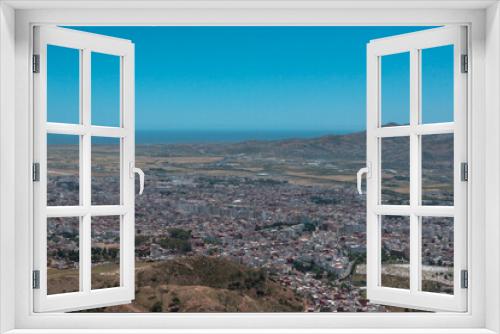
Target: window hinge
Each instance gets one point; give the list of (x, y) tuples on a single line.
[(36, 63), (464, 279), (36, 172), (464, 171), (36, 279), (465, 64)]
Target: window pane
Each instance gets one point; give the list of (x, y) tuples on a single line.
[(63, 255), (395, 89), (105, 252), (105, 171), (395, 181), (63, 84), (437, 84), (105, 89), (63, 163), (395, 253), (437, 254), (437, 169)]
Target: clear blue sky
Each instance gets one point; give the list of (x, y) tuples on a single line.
[(249, 78)]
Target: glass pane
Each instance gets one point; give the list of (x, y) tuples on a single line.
[(105, 252), (437, 84), (105, 89), (395, 176), (63, 84), (395, 89), (63, 165), (105, 171), (395, 253), (437, 169), (437, 254), (63, 255)]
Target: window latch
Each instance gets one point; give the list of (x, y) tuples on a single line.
[(134, 170), (365, 170)]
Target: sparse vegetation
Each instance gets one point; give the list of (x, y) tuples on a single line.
[(157, 307), (179, 240)]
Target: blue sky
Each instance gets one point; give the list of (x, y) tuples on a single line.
[(249, 78)]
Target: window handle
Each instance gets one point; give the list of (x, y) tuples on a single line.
[(365, 170), (134, 170)]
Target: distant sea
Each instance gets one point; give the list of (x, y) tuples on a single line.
[(200, 136)]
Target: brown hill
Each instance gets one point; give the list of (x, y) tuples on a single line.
[(332, 147), (207, 284)]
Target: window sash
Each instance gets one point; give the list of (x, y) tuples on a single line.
[(85, 298), (414, 297)]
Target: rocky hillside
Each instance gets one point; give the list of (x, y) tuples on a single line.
[(207, 284), (345, 147)]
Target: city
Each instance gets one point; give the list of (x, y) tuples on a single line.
[(287, 209)]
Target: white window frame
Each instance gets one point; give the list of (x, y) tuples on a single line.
[(413, 44), (85, 44), (16, 20)]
